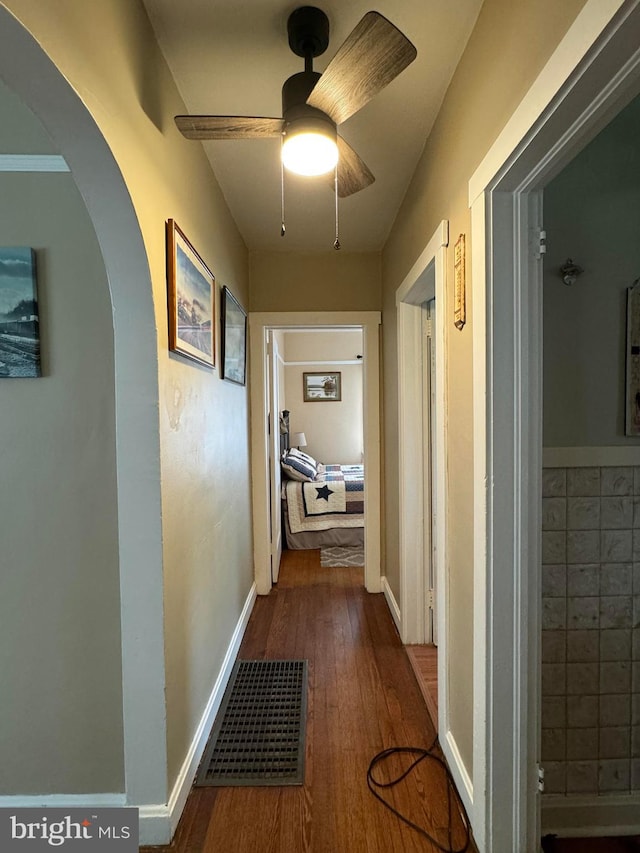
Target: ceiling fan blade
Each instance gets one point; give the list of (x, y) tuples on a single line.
[(353, 174), (229, 127), (370, 58)]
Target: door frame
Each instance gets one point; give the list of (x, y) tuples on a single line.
[(594, 71), (259, 324), (426, 280)]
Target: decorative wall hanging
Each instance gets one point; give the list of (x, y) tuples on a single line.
[(632, 396), (191, 297), (234, 338), (321, 387), (460, 307), (19, 320)]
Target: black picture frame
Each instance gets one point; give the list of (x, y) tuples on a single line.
[(234, 339)]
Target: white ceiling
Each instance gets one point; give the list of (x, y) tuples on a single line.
[(231, 57)]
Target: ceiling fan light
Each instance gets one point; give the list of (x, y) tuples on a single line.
[(309, 153)]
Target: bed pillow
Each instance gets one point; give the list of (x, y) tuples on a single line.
[(293, 451), (297, 469)]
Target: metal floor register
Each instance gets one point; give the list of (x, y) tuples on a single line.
[(258, 737)]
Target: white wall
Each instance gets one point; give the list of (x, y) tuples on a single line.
[(61, 725), (592, 215), (333, 429)]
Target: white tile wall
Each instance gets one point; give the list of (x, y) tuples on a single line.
[(591, 630)]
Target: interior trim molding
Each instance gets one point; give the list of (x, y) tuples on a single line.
[(392, 604), (63, 801), (586, 457), (594, 815), (158, 823), (33, 163), (458, 770)]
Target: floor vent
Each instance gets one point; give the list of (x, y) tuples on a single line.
[(258, 737)]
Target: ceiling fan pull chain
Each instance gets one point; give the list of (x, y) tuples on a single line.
[(283, 230), (336, 244)]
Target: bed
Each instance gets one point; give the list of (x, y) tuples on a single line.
[(323, 505)]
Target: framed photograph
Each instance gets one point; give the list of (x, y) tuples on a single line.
[(234, 339), (19, 319), (321, 387), (191, 299)]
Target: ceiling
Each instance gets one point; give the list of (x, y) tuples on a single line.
[(231, 57)]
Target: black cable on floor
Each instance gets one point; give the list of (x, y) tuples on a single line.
[(421, 755)]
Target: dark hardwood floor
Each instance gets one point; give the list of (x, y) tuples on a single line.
[(363, 698)]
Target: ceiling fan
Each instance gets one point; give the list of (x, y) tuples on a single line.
[(313, 104)]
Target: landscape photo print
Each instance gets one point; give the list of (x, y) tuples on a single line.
[(19, 320)]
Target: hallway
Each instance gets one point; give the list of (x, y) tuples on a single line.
[(363, 698)]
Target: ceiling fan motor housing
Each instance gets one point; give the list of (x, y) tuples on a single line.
[(308, 31), (295, 108)]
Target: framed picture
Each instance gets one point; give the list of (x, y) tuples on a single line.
[(234, 338), (459, 306), (321, 387), (191, 298), (19, 320)]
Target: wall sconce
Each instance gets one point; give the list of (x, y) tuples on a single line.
[(570, 272)]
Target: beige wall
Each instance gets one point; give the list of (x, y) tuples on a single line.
[(318, 281), (508, 47), (334, 430), (108, 53)]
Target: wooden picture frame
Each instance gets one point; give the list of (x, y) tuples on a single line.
[(191, 299), (322, 387), (233, 357), (460, 284)]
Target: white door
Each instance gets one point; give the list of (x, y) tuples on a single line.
[(275, 476), (429, 468)]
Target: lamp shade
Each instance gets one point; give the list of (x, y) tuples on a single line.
[(299, 439)]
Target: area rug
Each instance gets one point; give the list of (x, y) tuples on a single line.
[(338, 557), (258, 737)]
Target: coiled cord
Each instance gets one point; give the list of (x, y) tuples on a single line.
[(421, 755)]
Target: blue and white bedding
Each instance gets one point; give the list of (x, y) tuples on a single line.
[(334, 498)]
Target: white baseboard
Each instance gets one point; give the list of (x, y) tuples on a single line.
[(461, 777), (180, 792), (582, 816), (392, 604), (158, 822), (64, 801)]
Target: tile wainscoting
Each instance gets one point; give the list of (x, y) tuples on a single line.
[(591, 630)]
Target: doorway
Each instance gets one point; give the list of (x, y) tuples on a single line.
[(328, 432), (422, 424), (260, 327), (592, 74)]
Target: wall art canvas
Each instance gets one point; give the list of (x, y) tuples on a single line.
[(191, 294), (19, 320), (234, 338)]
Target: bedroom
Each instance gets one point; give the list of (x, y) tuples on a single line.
[(320, 384)]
